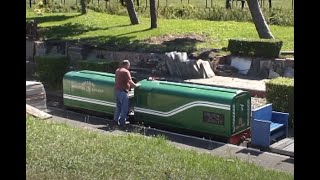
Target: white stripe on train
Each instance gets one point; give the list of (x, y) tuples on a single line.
[(150, 111)]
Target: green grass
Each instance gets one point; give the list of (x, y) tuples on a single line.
[(116, 32), (57, 151)]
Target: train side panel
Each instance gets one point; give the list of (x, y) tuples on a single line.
[(192, 107), (89, 90)]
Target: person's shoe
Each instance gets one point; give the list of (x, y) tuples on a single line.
[(131, 113), (126, 123)]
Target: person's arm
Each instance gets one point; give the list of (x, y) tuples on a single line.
[(132, 84)]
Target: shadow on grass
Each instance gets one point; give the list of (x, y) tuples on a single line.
[(68, 30), (129, 43), (53, 18), (142, 30)]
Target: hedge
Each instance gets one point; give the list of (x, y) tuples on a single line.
[(255, 47), (51, 69), (98, 65), (280, 92)]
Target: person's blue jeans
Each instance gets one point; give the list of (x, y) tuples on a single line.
[(122, 108)]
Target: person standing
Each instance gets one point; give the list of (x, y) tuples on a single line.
[(123, 83)]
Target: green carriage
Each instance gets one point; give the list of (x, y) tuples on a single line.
[(210, 110)]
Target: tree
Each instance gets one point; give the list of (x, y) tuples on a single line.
[(83, 6), (153, 14), (259, 20), (228, 4), (132, 12)]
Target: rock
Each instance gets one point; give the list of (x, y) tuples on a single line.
[(193, 56), (205, 65), (222, 59), (243, 64), (288, 72), (264, 72), (225, 70), (265, 64), (273, 74), (207, 55)]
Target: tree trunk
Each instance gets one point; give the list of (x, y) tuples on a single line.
[(83, 6), (153, 14), (270, 4), (228, 4), (259, 20), (242, 4), (132, 12)]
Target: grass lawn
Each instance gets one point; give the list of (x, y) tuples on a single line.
[(57, 151), (116, 31)]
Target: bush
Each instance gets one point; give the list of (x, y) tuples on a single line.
[(51, 69), (280, 92), (98, 65), (255, 47), (274, 16)]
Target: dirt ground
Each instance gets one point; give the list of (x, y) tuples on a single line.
[(176, 37)]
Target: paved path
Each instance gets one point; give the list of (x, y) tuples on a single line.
[(265, 159), (256, 87)]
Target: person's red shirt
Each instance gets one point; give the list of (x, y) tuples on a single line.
[(122, 79)]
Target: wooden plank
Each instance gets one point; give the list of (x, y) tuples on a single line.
[(285, 147), (36, 112), (282, 143), (289, 148), (283, 152)]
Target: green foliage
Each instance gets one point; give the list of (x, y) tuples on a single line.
[(280, 92), (279, 16), (275, 16), (255, 47), (58, 151), (51, 69), (98, 65), (183, 12)]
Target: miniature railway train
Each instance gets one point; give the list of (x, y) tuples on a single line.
[(215, 112)]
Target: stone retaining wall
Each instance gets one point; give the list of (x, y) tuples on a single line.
[(151, 63)]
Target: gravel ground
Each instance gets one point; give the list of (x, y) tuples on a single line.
[(257, 102)]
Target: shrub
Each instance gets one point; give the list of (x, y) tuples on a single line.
[(51, 69), (280, 92), (274, 16), (98, 65), (255, 47)]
